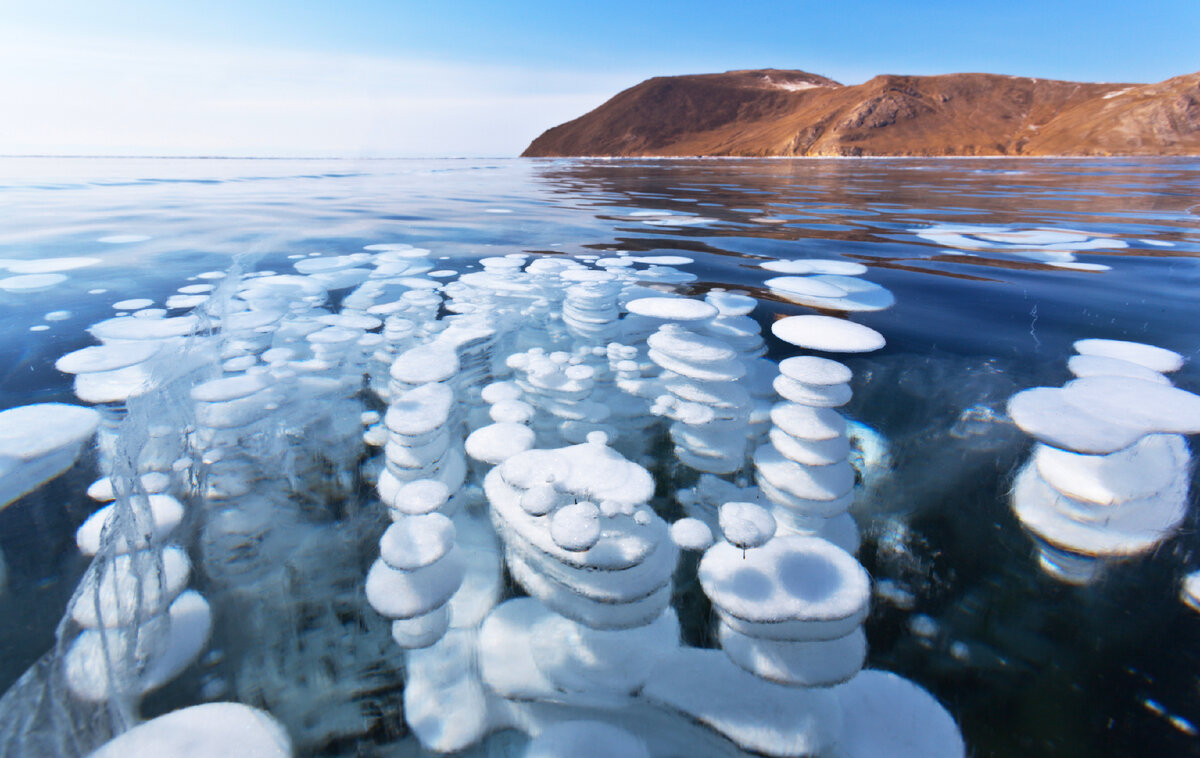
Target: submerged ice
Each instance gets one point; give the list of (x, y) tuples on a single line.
[(356, 429), (1109, 476)]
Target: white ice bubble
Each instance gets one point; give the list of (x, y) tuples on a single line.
[(793, 587), (672, 308), (165, 514), (810, 369), (420, 496), (827, 334), (661, 260), (57, 316), (1045, 413), (1151, 406), (414, 542), (746, 525), (189, 732), (679, 221), (195, 289), (31, 282), (815, 266), (497, 442), (47, 265), (1099, 365), (1150, 356), (38, 442), (804, 286), (691, 534), (576, 527), (407, 594), (185, 301), (187, 626)]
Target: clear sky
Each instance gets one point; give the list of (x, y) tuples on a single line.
[(473, 78)]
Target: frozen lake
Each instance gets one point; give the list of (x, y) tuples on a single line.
[(1038, 636)]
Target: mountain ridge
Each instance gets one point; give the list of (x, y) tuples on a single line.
[(777, 112)]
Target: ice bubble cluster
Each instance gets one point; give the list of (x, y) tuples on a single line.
[(502, 424), (1109, 476), (1055, 247), (831, 285)]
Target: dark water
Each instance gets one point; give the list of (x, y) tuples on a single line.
[(1028, 666)]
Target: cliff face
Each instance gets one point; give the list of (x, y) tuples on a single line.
[(771, 112)]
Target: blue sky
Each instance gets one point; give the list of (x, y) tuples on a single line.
[(379, 78)]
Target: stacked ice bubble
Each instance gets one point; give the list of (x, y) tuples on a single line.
[(419, 566), (579, 534), (512, 420), (1109, 476), (140, 627), (709, 409), (830, 285), (804, 469), (1054, 247)]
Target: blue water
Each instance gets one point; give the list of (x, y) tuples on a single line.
[(1029, 667)]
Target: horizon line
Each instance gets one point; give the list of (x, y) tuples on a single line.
[(262, 157)]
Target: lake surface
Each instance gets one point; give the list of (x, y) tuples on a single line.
[(996, 267)]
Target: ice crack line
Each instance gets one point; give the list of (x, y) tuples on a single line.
[(1037, 343)]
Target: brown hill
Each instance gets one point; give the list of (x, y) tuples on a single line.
[(772, 112)]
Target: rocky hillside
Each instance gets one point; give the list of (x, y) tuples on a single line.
[(771, 112)]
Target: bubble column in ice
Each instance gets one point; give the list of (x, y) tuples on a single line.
[(803, 628), (698, 384), (1109, 476), (634, 389), (599, 577), (789, 611), (799, 630), (734, 326), (427, 584), (419, 568), (804, 467), (559, 386), (710, 410), (420, 306), (589, 310), (397, 338), (509, 433), (420, 443), (140, 628), (246, 476), (579, 536), (473, 341), (123, 366)]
